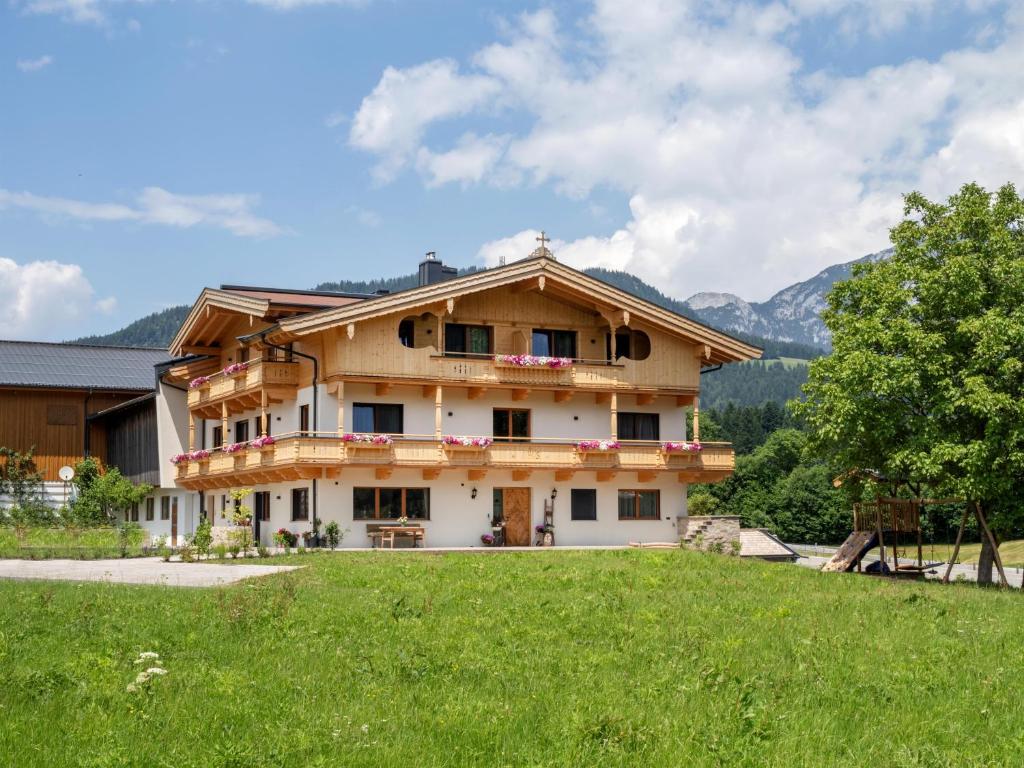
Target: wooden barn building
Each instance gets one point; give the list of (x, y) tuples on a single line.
[(68, 401)]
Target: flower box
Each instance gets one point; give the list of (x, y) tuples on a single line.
[(200, 454), (199, 381), (682, 447), (463, 443), (597, 446), (357, 440), (262, 443), (235, 368), (532, 361)]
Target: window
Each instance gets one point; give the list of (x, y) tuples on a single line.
[(377, 417), (303, 418), (279, 355), (639, 505), (511, 424), (498, 506), (218, 437), (638, 426), (390, 503), (300, 503), (135, 511), (584, 504), (261, 502), (407, 332), (633, 345), (150, 509), (165, 508), (243, 355), (461, 340), (554, 343), (242, 431)]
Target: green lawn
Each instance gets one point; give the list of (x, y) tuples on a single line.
[(626, 658), (792, 362), (1012, 552)]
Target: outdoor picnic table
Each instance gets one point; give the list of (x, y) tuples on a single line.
[(389, 532)]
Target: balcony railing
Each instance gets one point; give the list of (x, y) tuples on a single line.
[(250, 379), (298, 452), (485, 369)]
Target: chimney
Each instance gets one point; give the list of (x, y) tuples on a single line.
[(433, 271)]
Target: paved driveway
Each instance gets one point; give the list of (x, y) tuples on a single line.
[(138, 570)]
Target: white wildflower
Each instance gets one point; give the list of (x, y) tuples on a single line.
[(365, 728), (147, 656), (156, 671), (132, 688)]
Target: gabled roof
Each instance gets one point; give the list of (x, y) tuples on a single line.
[(78, 366), (264, 303), (551, 276)]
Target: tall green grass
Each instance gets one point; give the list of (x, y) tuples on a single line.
[(42, 542), (625, 658)]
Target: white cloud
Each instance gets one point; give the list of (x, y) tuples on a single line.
[(744, 171), (44, 299), (34, 65), (97, 11), (231, 212), (391, 120), (472, 157)]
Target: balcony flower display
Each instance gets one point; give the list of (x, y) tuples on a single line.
[(670, 447), (533, 361), (234, 368), (463, 441), (262, 442), (197, 455), (199, 381), (233, 447), (366, 439), (597, 445), (487, 540)]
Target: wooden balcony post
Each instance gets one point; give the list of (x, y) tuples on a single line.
[(696, 419), (340, 394), (438, 408), (263, 414), (191, 431), (224, 422), (614, 400)]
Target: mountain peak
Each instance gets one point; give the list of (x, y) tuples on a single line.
[(710, 300)]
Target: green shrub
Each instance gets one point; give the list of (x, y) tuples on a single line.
[(262, 551), (221, 551), (203, 538), (234, 550), (334, 534)]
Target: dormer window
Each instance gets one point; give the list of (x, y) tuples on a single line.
[(630, 344)]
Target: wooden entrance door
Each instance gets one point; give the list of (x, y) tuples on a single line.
[(174, 521), (515, 505)]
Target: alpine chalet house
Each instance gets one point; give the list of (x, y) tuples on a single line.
[(488, 405)]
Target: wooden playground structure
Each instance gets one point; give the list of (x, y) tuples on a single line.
[(881, 523)]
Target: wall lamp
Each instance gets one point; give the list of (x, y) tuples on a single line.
[(472, 494), (554, 493)]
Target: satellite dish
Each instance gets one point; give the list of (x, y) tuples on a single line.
[(66, 474)]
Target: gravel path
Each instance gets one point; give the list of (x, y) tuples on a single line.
[(138, 570)]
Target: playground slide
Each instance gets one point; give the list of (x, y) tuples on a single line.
[(852, 550)]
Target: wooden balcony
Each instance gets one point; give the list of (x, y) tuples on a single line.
[(484, 370), (306, 456), (277, 380)]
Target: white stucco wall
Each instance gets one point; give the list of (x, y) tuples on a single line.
[(457, 519)]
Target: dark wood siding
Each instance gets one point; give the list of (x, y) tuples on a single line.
[(132, 442), (53, 421)]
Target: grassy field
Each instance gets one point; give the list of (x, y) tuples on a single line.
[(793, 362), (1012, 552), (627, 658), (75, 543)]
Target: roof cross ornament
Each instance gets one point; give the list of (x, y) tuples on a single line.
[(543, 249)]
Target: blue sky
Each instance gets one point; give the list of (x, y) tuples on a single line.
[(150, 148)]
